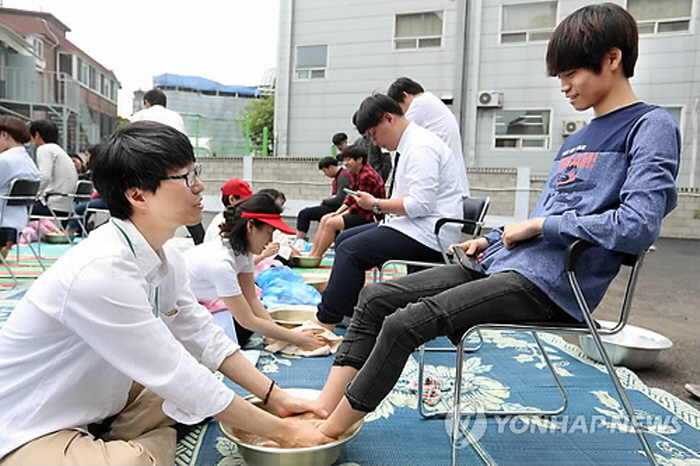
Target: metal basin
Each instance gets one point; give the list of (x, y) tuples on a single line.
[(634, 347), (56, 238), (293, 315), (316, 280), (257, 455), (306, 262)]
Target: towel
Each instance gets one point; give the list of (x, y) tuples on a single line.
[(291, 349)]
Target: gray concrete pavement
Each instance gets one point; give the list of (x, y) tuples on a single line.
[(667, 301)]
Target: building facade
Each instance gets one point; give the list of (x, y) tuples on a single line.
[(212, 112), (43, 75), (484, 58)]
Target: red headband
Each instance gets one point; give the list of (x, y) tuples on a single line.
[(260, 216), (274, 220)]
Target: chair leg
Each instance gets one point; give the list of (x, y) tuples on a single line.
[(9, 269), (458, 376), (421, 378), (622, 394), (31, 248)]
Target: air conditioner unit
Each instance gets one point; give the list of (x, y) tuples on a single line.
[(569, 127), (490, 99)]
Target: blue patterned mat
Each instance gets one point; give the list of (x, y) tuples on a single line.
[(508, 372)]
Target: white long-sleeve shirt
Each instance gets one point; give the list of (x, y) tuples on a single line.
[(58, 175), (431, 113), (161, 115), (15, 163), (98, 319), (430, 184)]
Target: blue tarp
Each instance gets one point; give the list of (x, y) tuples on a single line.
[(203, 84)]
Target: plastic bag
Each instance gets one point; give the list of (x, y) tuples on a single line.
[(282, 286)]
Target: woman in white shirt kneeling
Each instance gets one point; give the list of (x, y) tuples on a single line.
[(221, 271)]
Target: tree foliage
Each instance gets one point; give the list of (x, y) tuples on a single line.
[(261, 113)]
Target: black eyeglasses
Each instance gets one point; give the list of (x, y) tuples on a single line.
[(190, 177)]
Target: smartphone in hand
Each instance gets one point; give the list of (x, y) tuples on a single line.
[(350, 191)]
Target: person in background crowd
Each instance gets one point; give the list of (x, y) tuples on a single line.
[(340, 141), (350, 214), (233, 191), (426, 110), (15, 163), (341, 180), (58, 175)]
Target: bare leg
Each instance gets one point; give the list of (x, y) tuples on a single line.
[(326, 234), (334, 388), (340, 421)]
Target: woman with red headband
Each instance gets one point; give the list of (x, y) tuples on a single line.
[(221, 271)]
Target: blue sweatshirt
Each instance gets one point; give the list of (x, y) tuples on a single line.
[(611, 184)]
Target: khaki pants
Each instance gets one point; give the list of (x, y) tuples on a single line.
[(140, 435)]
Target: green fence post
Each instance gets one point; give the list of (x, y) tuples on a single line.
[(264, 142), (247, 136), (196, 136), (333, 150)]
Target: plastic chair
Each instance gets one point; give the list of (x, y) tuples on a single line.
[(82, 193), (474, 211), (588, 327), (23, 193)]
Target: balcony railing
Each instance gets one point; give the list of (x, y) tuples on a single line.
[(40, 87)]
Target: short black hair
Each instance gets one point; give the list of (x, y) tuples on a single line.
[(16, 128), (326, 162), (138, 155), (372, 110), (338, 138), (583, 38), (355, 152), (234, 227), (402, 85), (274, 193), (155, 97), (47, 129)]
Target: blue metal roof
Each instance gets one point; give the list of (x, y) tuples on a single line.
[(203, 84)]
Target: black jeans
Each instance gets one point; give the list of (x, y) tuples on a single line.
[(395, 317), (357, 250), (311, 214)]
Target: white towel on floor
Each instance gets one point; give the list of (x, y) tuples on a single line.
[(284, 347)]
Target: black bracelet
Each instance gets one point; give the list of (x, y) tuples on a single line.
[(269, 390)]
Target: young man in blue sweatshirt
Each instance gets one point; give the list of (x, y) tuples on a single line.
[(611, 185)]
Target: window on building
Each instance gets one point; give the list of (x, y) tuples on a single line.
[(115, 88), (94, 79), (105, 85), (65, 63), (311, 61), (522, 129), (83, 72), (38, 47), (660, 16), (418, 30), (528, 22), (676, 111)]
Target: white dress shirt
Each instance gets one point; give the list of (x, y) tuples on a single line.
[(431, 113), (15, 163), (58, 175), (431, 186), (213, 269), (109, 312), (161, 115)]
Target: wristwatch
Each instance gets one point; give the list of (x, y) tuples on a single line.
[(375, 207)]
